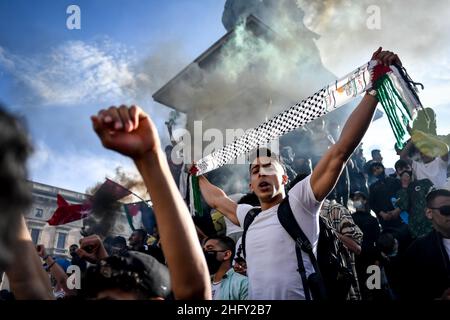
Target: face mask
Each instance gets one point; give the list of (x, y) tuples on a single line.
[(212, 262), (409, 172), (359, 205), (395, 251), (381, 176)]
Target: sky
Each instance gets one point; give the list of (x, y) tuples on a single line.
[(55, 78)]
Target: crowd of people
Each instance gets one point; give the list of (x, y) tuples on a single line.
[(319, 223)]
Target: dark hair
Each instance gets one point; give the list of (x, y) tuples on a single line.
[(143, 234), (264, 152), (433, 194), (119, 241), (251, 199), (400, 164), (375, 151), (386, 242), (168, 148), (15, 191), (133, 272), (374, 165), (299, 177), (359, 193), (226, 243)]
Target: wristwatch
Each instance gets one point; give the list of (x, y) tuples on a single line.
[(372, 92)]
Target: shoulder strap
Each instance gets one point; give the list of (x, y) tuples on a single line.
[(302, 243), (249, 217)]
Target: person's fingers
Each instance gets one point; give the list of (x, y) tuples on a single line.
[(81, 253), (116, 121), (104, 116), (102, 121), (389, 58), (381, 57), (395, 59), (97, 125), (136, 114), (89, 242), (376, 53), (85, 255), (125, 117)]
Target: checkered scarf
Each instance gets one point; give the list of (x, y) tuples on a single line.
[(397, 93)]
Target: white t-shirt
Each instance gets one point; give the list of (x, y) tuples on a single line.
[(215, 287), (447, 247), (435, 171), (231, 227), (271, 258)]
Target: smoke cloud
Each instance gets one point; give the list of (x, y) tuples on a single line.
[(106, 212)]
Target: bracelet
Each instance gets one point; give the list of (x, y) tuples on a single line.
[(51, 265), (372, 92)]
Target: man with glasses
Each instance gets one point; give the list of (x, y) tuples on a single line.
[(426, 263)]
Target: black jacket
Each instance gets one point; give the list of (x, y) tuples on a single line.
[(425, 269), (380, 199)]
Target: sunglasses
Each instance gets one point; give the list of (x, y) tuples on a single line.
[(444, 210)]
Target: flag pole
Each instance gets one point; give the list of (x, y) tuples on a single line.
[(134, 194)]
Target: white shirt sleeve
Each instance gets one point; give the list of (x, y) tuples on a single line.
[(241, 212), (302, 199), (306, 209)]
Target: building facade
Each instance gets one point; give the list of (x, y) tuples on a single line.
[(57, 239)]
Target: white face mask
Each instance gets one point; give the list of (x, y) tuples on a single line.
[(359, 205)]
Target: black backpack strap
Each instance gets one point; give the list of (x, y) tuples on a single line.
[(249, 217), (302, 243)]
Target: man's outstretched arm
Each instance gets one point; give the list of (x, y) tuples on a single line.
[(217, 199), (131, 132), (27, 277), (329, 168)]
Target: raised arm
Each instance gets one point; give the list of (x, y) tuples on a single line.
[(404, 154), (430, 145), (55, 270), (217, 199), (131, 132), (28, 279), (329, 168)]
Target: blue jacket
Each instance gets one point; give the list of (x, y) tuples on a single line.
[(234, 286)]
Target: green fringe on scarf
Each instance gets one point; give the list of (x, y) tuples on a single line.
[(395, 108), (197, 198)]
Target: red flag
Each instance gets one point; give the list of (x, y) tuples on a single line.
[(66, 213), (115, 190)]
